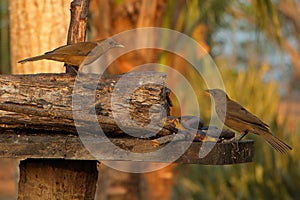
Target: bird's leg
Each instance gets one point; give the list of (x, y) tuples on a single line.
[(71, 69), (245, 133), (235, 145)]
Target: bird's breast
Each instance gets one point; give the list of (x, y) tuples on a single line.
[(237, 125)]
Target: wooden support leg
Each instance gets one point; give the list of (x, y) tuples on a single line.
[(57, 179)]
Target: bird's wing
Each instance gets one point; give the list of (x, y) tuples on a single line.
[(78, 49), (236, 111)]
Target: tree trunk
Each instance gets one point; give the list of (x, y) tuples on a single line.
[(37, 27)]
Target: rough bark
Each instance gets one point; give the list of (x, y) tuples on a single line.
[(37, 27), (78, 24), (44, 102)]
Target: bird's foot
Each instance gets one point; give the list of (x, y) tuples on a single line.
[(245, 133), (235, 144)]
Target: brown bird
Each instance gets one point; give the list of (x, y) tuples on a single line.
[(79, 53), (241, 120)]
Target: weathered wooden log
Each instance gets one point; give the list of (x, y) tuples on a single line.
[(46, 102)]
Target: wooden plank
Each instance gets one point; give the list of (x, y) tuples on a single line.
[(61, 146)]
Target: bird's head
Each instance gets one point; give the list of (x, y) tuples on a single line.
[(217, 93), (109, 43)]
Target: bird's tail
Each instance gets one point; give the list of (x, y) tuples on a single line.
[(35, 58), (275, 142)]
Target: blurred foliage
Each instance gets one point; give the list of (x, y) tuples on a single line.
[(186, 15), (264, 16), (247, 86)]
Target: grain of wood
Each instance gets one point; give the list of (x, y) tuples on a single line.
[(65, 179)]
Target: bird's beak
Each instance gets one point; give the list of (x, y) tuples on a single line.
[(119, 46), (207, 92)]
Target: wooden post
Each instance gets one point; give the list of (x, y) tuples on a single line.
[(57, 179)]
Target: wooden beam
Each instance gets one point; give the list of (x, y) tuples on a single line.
[(60, 146)]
